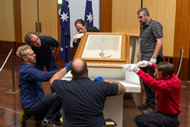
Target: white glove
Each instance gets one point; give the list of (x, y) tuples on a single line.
[(143, 63), (153, 60), (130, 67), (77, 36)]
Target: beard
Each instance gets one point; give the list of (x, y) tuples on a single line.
[(143, 23)]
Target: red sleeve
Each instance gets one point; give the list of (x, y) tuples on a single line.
[(153, 66), (160, 85)]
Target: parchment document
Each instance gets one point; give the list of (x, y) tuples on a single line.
[(103, 46)]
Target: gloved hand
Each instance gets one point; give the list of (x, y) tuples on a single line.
[(143, 63), (77, 36), (68, 66), (130, 67), (153, 60), (99, 79)]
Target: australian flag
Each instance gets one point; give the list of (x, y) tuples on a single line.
[(88, 13), (65, 32)]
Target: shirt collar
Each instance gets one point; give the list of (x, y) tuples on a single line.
[(148, 23)]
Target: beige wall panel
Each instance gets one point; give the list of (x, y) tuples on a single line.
[(28, 16), (7, 29), (164, 11), (48, 17), (124, 16)]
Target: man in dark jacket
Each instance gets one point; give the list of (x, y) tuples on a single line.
[(46, 49)]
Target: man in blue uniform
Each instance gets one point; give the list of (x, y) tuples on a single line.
[(83, 99), (42, 47)]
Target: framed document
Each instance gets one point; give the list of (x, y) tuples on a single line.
[(134, 49), (104, 49)]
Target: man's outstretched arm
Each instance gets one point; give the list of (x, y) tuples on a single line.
[(121, 88)]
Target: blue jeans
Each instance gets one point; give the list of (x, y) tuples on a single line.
[(156, 119), (48, 107)]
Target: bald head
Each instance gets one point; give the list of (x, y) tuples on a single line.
[(79, 68)]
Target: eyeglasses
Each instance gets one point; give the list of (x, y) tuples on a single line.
[(34, 42)]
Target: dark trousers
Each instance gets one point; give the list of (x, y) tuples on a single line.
[(48, 107), (150, 93), (49, 63), (156, 119)]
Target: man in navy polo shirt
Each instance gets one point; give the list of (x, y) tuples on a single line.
[(83, 99), (42, 47)]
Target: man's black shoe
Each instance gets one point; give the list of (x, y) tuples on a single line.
[(148, 110), (143, 106)]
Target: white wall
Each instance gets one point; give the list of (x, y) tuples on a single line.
[(77, 11)]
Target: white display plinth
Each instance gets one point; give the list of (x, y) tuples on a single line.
[(114, 105)]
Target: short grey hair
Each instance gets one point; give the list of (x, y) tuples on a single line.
[(21, 51), (27, 37), (144, 11)]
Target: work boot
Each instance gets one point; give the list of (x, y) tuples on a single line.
[(177, 124), (58, 122), (148, 110), (23, 118), (47, 124), (50, 124), (143, 106)]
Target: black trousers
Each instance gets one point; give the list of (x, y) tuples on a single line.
[(156, 119), (150, 93)]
